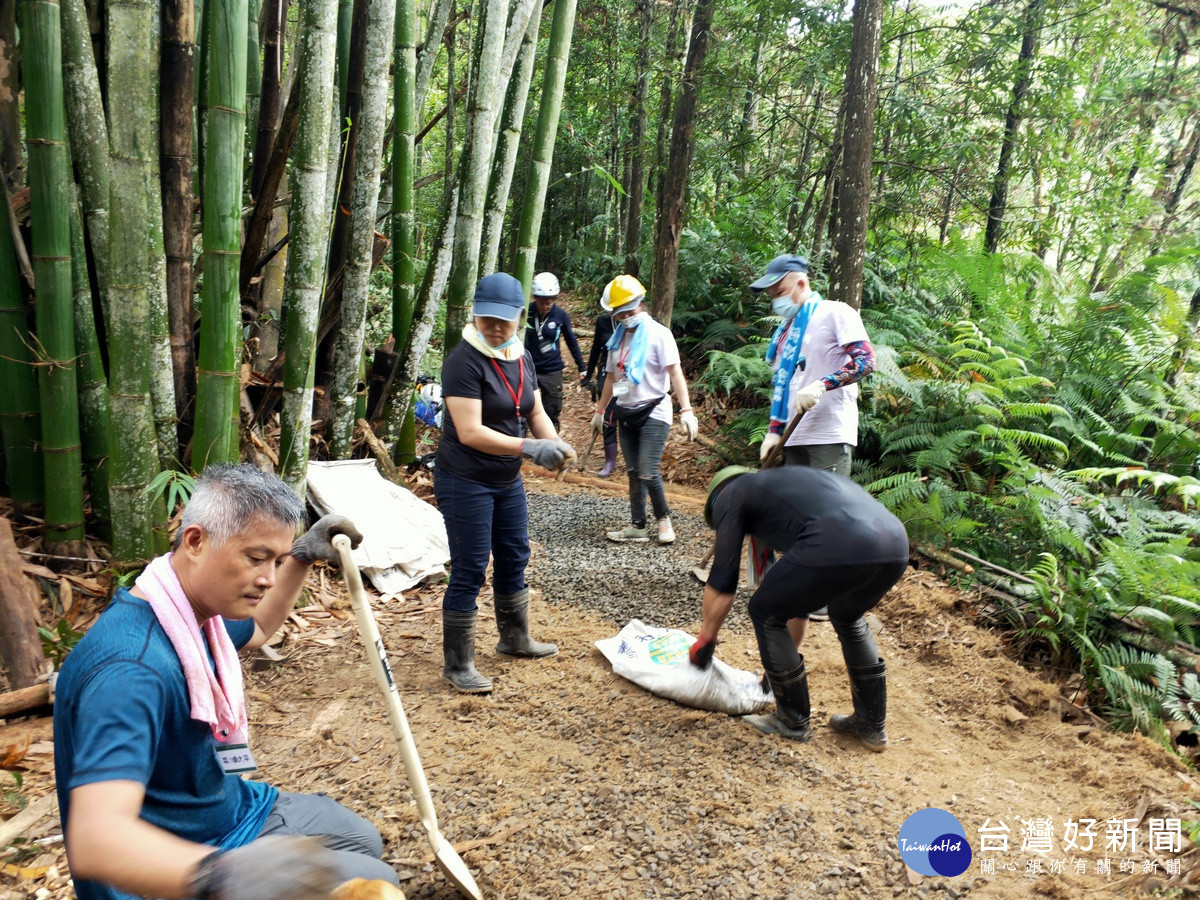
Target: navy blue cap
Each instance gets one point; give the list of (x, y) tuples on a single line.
[(779, 267), (499, 296)]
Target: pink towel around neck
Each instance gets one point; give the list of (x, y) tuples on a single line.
[(219, 699)]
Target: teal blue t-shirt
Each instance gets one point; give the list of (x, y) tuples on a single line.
[(122, 712)]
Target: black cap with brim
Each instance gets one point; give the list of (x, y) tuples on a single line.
[(780, 266)]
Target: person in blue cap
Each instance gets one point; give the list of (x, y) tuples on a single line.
[(493, 418), (819, 353)]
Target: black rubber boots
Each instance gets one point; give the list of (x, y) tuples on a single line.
[(512, 621), (792, 709), (868, 685), (458, 649)]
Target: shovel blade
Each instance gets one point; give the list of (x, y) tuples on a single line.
[(701, 573), (456, 870)]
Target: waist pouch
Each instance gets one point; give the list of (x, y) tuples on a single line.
[(635, 416)]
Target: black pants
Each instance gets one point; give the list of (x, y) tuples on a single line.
[(550, 384), (791, 590)]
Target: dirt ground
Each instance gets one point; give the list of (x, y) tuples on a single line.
[(569, 781)]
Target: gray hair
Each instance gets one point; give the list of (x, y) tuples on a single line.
[(228, 498)]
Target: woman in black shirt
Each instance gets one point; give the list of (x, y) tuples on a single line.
[(490, 391)]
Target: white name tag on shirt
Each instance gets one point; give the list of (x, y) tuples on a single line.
[(236, 758), (621, 388)]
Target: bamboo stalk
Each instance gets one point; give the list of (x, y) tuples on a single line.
[(561, 29), (505, 161), (376, 58), (309, 217), (49, 188), (133, 462), (217, 382), (20, 423), (94, 416)]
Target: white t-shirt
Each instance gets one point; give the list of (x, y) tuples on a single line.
[(661, 351), (834, 420)]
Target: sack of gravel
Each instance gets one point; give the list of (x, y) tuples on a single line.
[(657, 659)]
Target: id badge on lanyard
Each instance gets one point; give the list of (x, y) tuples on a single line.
[(515, 395), (235, 758)]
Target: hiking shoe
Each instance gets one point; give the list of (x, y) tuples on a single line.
[(666, 534), (630, 533), (821, 615)]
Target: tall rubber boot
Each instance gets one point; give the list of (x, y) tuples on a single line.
[(610, 460), (512, 621), (792, 709), (458, 650), (868, 685)]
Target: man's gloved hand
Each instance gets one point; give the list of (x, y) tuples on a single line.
[(270, 868), (590, 387), (701, 652), (769, 443), (598, 422), (549, 454), (315, 544), (691, 427), (807, 396)]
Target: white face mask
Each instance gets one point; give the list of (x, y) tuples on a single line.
[(636, 319), (783, 306)]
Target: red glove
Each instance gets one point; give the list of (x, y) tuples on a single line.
[(701, 652)]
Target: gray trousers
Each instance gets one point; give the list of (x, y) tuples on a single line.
[(830, 457), (355, 841)]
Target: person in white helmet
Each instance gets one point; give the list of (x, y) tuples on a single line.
[(643, 365), (546, 325)]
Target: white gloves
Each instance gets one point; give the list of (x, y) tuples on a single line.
[(598, 423), (807, 397), (690, 426), (769, 443)]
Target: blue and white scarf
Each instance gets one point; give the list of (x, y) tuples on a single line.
[(638, 346), (789, 357)]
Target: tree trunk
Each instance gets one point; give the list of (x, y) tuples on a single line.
[(635, 184), (309, 217), (178, 89), (407, 87), (88, 130), (483, 108), (854, 198), (270, 92), (20, 426), (49, 190), (94, 418), (20, 645), (270, 308), (361, 244), (504, 161), (1012, 124), (254, 74), (670, 224), (536, 182)]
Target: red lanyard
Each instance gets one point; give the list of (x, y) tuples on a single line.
[(520, 391), (623, 351)]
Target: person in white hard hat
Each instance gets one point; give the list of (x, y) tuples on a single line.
[(547, 324), (643, 365)]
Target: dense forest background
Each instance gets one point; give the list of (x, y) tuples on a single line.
[(231, 220)]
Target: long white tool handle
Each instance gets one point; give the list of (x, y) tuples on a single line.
[(377, 657)]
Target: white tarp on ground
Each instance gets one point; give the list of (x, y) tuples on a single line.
[(657, 660), (404, 538)]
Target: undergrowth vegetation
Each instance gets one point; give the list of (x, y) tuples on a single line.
[(1050, 432)]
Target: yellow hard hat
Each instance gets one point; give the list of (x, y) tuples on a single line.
[(622, 291)]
